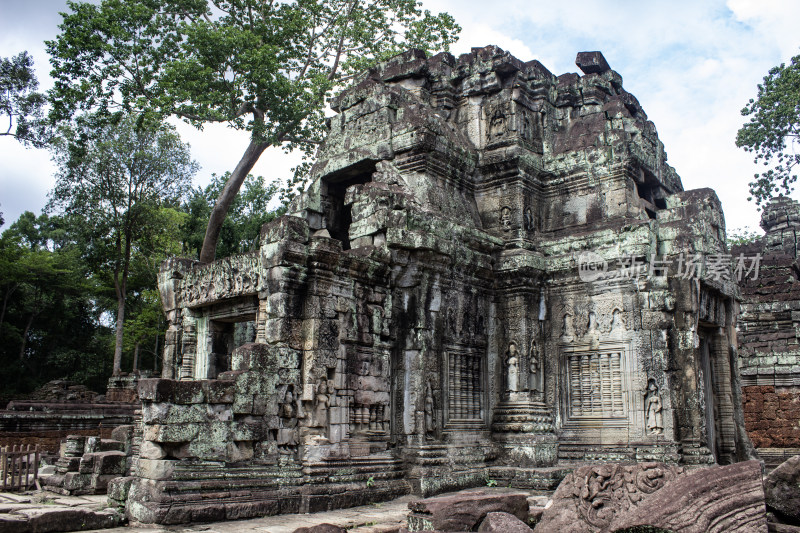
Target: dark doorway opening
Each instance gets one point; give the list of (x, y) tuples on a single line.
[(338, 215)]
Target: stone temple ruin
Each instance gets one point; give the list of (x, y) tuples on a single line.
[(466, 291)]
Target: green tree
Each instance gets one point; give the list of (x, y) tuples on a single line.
[(242, 227), (263, 67), (49, 323), (123, 182), (20, 103), (773, 131)]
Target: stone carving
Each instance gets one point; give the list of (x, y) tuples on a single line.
[(654, 419), (595, 384), (591, 497), (617, 324), (464, 386), (225, 278), (408, 264), (567, 329), (534, 364), (430, 412), (505, 218), (321, 405), (497, 124), (528, 219), (719, 499), (288, 415), (512, 368), (614, 497), (592, 335)]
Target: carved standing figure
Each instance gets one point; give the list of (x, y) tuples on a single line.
[(533, 366), (321, 404), (616, 322), (654, 418), (528, 216), (497, 124), (430, 413), (567, 330), (512, 368), (287, 438)]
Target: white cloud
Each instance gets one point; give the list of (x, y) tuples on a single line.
[(692, 65)]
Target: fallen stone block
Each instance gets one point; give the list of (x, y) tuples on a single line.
[(719, 499), (464, 511), (782, 489), (10, 523), (503, 523), (321, 528), (615, 497), (53, 519)]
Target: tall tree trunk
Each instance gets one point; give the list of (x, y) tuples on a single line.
[(121, 286), (120, 330), (8, 294), (25, 338), (155, 354), (226, 197), (136, 358)]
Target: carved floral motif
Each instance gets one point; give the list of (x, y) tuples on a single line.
[(604, 491)]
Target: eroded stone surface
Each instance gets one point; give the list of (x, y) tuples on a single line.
[(461, 293), (498, 522), (718, 499), (464, 511), (321, 528), (769, 357), (614, 497), (782, 489)]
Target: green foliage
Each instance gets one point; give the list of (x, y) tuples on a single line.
[(242, 227), (742, 236), (370, 482), (491, 482), (120, 184), (263, 67), (20, 103), (773, 130), (50, 323)]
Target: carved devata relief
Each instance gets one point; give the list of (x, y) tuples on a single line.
[(430, 412), (497, 121), (290, 411), (506, 218), (653, 416), (592, 321), (512, 367)]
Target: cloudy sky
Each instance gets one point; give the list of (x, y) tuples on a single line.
[(692, 65)]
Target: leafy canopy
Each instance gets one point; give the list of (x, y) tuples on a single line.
[(125, 182), (260, 66), (263, 66), (773, 131), (241, 230), (20, 103)]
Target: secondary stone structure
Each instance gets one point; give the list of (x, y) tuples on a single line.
[(770, 333), (479, 283)]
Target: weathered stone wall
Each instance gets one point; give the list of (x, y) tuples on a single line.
[(769, 335), (423, 317)]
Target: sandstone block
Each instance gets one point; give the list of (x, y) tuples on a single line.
[(782, 488), (465, 510), (503, 523)]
